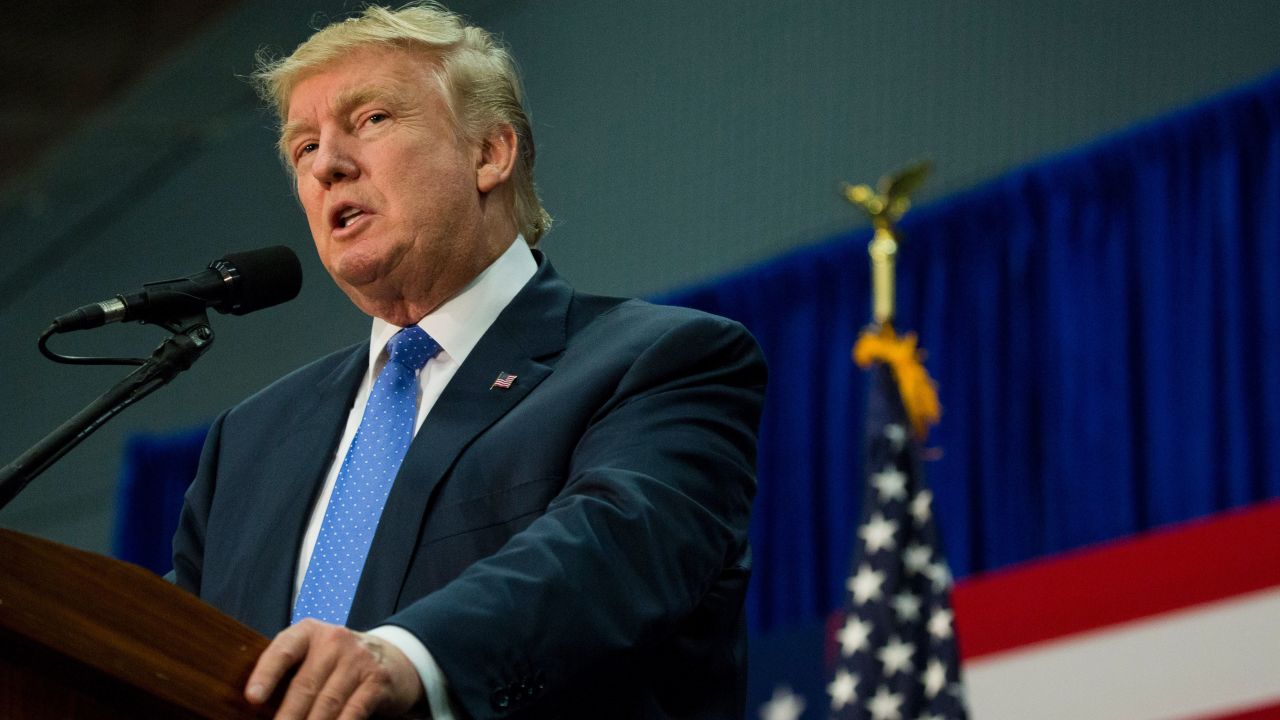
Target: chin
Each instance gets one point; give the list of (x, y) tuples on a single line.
[(357, 272)]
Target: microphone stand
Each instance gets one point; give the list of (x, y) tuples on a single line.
[(191, 337)]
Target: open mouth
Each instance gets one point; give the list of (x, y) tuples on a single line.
[(349, 217), (346, 216)]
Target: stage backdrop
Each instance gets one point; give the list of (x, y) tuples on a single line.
[(1104, 327)]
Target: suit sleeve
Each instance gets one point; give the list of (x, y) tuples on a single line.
[(188, 542), (655, 508)]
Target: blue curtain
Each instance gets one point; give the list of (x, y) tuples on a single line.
[(1104, 327), (157, 470)]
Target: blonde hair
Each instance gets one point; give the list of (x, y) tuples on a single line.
[(477, 73)]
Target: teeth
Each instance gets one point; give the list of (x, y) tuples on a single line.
[(348, 215)]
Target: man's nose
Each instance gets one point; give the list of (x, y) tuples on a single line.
[(334, 162)]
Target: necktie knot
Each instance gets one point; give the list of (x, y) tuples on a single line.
[(412, 347)]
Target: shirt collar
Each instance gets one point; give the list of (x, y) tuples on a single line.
[(460, 322)]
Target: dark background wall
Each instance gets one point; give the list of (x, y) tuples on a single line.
[(676, 141)]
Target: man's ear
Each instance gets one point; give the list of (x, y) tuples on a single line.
[(497, 158)]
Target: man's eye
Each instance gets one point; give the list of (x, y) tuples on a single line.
[(377, 118), (307, 149)]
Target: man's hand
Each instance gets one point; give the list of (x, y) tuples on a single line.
[(341, 674)]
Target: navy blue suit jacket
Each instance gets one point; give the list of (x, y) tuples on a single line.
[(573, 546)]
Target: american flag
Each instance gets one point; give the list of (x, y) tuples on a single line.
[(504, 381), (896, 648)]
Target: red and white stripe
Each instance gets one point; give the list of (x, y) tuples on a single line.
[(1173, 625)]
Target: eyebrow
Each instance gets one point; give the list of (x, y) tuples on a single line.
[(346, 101)]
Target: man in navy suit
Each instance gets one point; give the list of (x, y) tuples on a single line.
[(566, 534)]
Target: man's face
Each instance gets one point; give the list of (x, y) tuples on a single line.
[(389, 189)]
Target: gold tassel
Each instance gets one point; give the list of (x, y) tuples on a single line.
[(918, 390)]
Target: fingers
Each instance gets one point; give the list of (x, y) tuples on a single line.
[(285, 652), (362, 703), (337, 695), (320, 689), (341, 674)]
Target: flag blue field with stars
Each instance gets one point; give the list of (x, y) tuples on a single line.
[(896, 653)]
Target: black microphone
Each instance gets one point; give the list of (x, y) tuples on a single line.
[(237, 284)]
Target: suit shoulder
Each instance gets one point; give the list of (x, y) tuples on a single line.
[(637, 314), (631, 328)]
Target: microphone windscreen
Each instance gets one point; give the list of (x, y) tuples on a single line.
[(264, 277)]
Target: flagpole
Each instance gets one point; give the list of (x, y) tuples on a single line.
[(884, 206), (898, 656)]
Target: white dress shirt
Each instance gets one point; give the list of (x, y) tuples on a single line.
[(457, 325)]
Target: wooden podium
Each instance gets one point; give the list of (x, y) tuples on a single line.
[(86, 636)]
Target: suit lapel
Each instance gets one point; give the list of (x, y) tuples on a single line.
[(524, 341), (294, 472)]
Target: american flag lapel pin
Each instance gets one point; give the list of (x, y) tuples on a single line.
[(503, 382)]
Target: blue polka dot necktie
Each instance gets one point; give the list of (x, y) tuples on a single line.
[(364, 481)]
